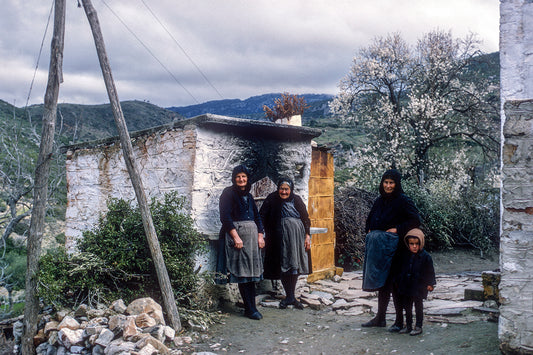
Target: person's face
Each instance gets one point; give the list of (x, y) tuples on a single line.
[(241, 179), (284, 191), (414, 245), (389, 185)]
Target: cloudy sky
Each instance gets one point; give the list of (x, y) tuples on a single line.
[(175, 53)]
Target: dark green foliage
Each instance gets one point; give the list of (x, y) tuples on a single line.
[(114, 260), (466, 219)]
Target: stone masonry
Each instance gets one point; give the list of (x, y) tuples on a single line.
[(516, 242), (194, 157)]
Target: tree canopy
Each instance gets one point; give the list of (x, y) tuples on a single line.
[(413, 99)]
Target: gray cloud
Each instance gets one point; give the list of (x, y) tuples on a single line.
[(244, 48)]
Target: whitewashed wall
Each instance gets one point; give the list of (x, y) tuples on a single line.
[(516, 242), (195, 158), (95, 175)]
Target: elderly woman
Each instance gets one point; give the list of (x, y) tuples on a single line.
[(287, 227), (241, 238), (393, 214)]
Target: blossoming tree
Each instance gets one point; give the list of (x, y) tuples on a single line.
[(414, 100)]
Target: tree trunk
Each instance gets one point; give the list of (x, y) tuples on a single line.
[(42, 173), (164, 281)]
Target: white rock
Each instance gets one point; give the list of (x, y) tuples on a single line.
[(69, 337)]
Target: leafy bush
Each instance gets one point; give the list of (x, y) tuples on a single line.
[(114, 259), (467, 217), (451, 217)]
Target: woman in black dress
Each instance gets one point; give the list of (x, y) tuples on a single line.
[(241, 238), (288, 239), (392, 215)]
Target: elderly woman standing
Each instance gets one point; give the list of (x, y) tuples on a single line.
[(288, 239), (393, 214), (241, 238)]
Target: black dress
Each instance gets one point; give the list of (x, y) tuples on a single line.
[(286, 224)]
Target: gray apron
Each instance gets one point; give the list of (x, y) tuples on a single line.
[(245, 262)]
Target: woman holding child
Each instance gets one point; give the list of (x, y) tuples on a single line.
[(393, 214)]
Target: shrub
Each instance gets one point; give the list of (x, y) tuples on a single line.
[(114, 259), (466, 217)]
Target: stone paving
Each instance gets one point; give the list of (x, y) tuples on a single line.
[(446, 304)]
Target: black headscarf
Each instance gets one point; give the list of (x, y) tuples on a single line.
[(395, 175), (241, 169), (287, 180)]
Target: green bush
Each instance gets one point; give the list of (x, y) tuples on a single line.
[(114, 259), (468, 217)]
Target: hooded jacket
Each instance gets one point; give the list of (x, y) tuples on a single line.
[(416, 270), (394, 210)]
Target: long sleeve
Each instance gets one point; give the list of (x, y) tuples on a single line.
[(225, 208)]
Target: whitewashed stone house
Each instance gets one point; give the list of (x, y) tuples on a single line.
[(194, 157)]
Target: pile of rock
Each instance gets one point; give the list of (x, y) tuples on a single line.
[(138, 328)]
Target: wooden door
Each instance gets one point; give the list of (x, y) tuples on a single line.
[(321, 213)]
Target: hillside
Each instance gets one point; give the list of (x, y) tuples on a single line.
[(252, 107), (79, 123)]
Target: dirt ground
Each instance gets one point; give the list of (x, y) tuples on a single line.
[(308, 331)]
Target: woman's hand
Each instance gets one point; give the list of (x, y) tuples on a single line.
[(260, 240), (237, 241), (307, 242), (430, 288)]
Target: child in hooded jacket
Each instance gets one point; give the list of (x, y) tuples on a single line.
[(415, 279)]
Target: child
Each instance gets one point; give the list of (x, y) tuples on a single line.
[(416, 278)]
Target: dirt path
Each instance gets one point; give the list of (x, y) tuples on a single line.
[(324, 331)]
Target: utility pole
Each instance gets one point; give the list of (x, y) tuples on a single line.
[(42, 173), (164, 281)]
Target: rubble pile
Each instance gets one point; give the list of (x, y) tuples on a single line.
[(138, 328)]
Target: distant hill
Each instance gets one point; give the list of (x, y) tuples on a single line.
[(252, 107), (79, 123)]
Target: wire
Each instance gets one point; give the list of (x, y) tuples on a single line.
[(151, 53), (39, 56), (182, 49)]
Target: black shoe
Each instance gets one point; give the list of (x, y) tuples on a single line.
[(283, 304), (416, 331), (374, 322), (406, 330), (254, 315), (297, 304), (395, 328)]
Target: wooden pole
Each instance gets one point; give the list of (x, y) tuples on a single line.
[(42, 174), (133, 170)]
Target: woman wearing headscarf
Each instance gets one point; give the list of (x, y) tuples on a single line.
[(241, 238), (288, 239), (393, 214)]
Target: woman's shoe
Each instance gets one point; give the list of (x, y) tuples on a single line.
[(283, 304), (298, 304), (395, 328), (254, 315), (416, 331), (374, 322), (405, 330)]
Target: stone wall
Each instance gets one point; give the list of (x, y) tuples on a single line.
[(194, 157), (516, 243), (98, 173)]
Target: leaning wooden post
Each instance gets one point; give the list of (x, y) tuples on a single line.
[(164, 281), (42, 173)]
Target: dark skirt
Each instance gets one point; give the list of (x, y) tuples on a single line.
[(285, 251), (380, 248)]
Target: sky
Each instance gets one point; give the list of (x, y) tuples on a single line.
[(185, 52)]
